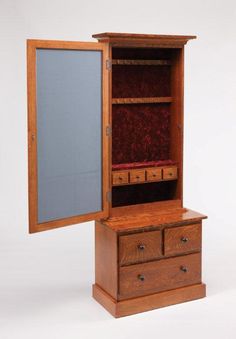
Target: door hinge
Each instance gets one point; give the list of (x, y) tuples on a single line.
[(109, 196), (108, 64), (108, 130)]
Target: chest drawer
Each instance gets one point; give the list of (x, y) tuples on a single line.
[(182, 239), (143, 279), (154, 174), (139, 247), (137, 176), (120, 178), (170, 173)]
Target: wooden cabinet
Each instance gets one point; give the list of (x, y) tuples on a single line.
[(105, 140)]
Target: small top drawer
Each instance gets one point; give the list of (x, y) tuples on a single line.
[(182, 239), (139, 247), (137, 176), (154, 174), (119, 178), (170, 173)]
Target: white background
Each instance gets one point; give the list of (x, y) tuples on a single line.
[(45, 279)]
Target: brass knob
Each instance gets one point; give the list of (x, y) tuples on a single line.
[(141, 247), (141, 277), (184, 239), (170, 174), (184, 269)]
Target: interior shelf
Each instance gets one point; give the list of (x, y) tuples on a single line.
[(147, 100), (141, 62)]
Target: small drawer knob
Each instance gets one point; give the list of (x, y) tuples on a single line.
[(184, 269), (137, 177), (141, 247), (120, 178), (184, 239), (141, 277), (170, 174)]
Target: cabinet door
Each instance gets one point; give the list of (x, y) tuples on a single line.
[(68, 145)]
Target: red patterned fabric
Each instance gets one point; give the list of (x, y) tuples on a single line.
[(140, 133), (140, 81)]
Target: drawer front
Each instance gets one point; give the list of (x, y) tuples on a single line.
[(137, 176), (154, 174), (166, 274), (120, 178), (170, 173), (182, 239), (139, 247)]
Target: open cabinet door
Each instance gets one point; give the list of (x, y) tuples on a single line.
[(67, 141)]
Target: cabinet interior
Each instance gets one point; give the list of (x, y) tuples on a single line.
[(144, 122)]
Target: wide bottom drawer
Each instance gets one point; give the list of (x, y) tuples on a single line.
[(165, 274)]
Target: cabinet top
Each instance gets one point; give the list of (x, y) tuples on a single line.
[(116, 38)]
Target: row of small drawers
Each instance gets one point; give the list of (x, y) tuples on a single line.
[(149, 275), (144, 175)]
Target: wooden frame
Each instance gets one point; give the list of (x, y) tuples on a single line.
[(32, 45)]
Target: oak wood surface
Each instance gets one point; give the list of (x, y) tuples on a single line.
[(130, 62), (135, 218), (146, 174), (106, 258), (144, 40), (137, 176), (32, 46), (150, 302), (156, 276), (182, 239), (120, 177), (122, 101), (140, 247), (154, 174)]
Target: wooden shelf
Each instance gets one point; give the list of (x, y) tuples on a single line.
[(119, 101), (141, 62)]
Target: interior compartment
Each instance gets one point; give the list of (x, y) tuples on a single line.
[(143, 193), (141, 132)]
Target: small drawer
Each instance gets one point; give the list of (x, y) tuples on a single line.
[(156, 276), (182, 239), (139, 247), (170, 173), (120, 178), (154, 174), (137, 176)]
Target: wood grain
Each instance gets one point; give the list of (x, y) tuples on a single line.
[(150, 217), (149, 302), (32, 46), (183, 239), (159, 275), (144, 40), (140, 247), (130, 62), (106, 258), (121, 101)]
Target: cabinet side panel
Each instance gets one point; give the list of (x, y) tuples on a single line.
[(106, 273), (177, 116)]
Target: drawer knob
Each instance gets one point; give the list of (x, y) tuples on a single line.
[(137, 177), (141, 247), (184, 239), (170, 174), (120, 178), (141, 277), (184, 269)]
